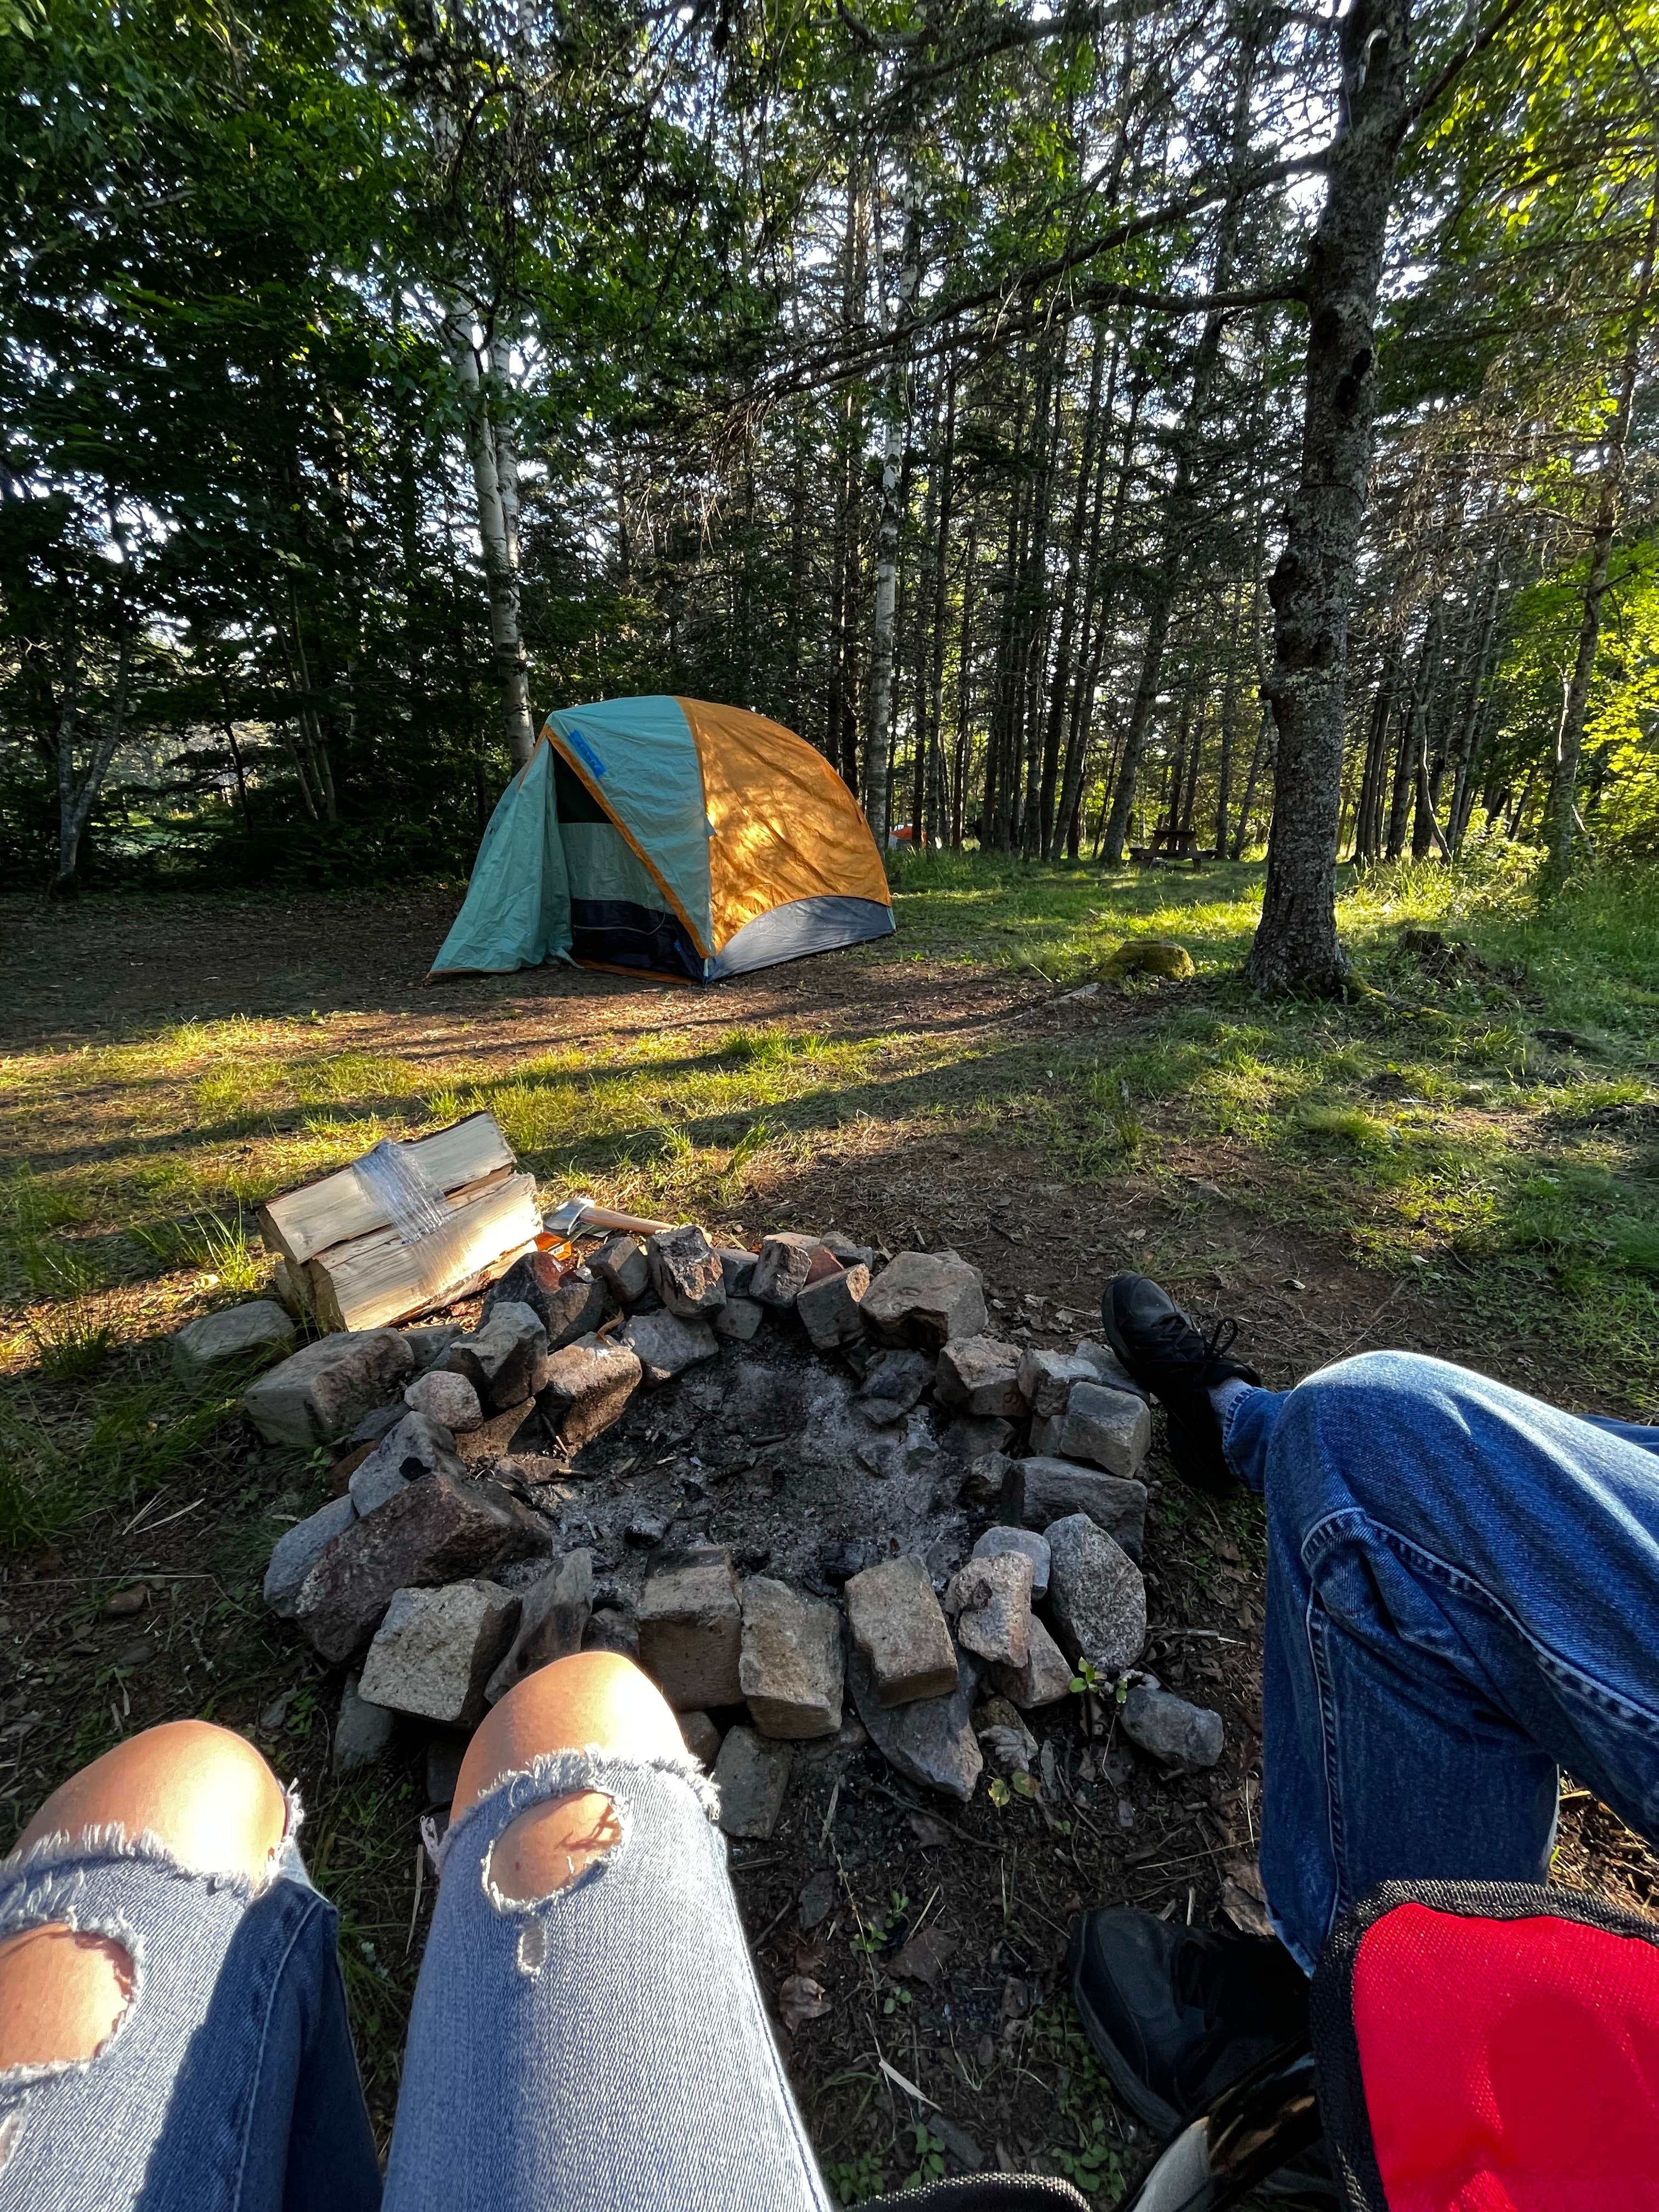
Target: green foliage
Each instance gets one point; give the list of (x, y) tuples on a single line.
[(928, 2151), (855, 2180)]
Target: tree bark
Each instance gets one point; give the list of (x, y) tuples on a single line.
[(1296, 946), (77, 793), (1423, 823), (895, 444), (494, 460)]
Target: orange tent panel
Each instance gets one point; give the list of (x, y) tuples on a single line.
[(779, 822)]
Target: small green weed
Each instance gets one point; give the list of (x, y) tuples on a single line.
[(855, 2180), (928, 2150)]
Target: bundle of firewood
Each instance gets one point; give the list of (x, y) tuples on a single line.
[(407, 1228)]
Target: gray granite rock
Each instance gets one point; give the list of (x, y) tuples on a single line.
[(553, 1618), (1045, 1678), (428, 1344), (1186, 1738), (1046, 1378), (1096, 1599), (1028, 1544), (322, 1390), (620, 1263), (739, 1320), (416, 1447), (449, 1399), (298, 1549), (781, 1269), (790, 1667), (971, 1436), (435, 1650), (496, 1437), (925, 1298), (752, 1776), (737, 1269), (1042, 1489), (585, 1388), (703, 1738), (979, 1375), (666, 1345), (894, 1382), (502, 1358), (249, 1331), (985, 1481), (830, 1310), (691, 1631), (685, 1272), (569, 1302), (363, 1732), (898, 1626), (990, 1602), (434, 1531), (930, 1739), (1108, 1428)]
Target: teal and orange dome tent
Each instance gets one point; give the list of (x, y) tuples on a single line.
[(672, 837)]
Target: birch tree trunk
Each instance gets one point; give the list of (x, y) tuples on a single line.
[(494, 458), (1296, 946), (77, 790)]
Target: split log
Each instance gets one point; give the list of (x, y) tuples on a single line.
[(369, 1281), (343, 1203), (363, 1249)]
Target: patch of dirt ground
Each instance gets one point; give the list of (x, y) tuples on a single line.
[(861, 1863)]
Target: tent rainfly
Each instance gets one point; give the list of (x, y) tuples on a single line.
[(671, 836)]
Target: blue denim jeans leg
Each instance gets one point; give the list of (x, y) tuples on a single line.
[(1463, 1599), (604, 2048), (229, 2083)]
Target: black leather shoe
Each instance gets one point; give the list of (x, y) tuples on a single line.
[(1176, 2014), (1164, 1352)]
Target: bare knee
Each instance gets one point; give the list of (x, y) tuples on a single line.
[(63, 1991), (203, 1793), (549, 1845), (594, 1700)]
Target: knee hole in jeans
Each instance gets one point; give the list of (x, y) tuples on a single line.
[(64, 1992), (548, 1847)]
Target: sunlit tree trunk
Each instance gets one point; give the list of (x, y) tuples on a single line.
[(493, 459), (1296, 946)]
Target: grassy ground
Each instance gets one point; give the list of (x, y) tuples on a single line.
[(1467, 1159)]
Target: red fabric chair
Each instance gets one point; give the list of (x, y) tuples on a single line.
[(1490, 2047)]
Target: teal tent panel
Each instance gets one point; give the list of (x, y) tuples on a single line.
[(638, 758), (517, 911), (602, 865)]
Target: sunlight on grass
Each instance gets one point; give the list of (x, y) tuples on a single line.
[(1487, 1119)]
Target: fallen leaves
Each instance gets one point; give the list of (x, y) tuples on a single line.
[(801, 1998)]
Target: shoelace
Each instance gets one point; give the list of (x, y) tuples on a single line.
[(1220, 1339)]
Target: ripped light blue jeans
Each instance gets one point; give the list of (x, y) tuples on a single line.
[(1462, 1600), (600, 2050)]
